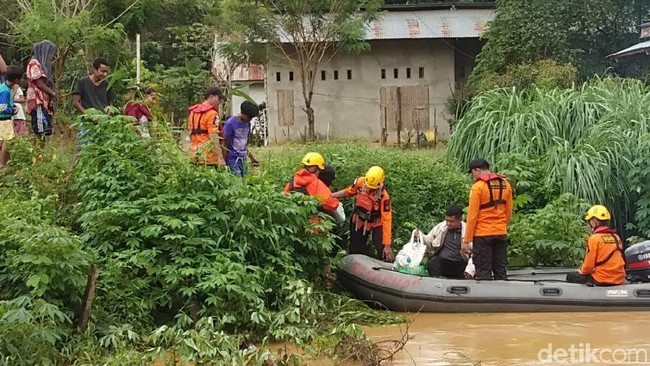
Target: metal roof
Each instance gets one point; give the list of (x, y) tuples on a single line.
[(422, 24), (439, 5), (636, 49)]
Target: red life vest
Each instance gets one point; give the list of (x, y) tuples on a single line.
[(612, 238), (367, 205), (494, 181)]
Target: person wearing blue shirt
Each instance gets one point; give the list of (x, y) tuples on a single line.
[(7, 110), (236, 132)]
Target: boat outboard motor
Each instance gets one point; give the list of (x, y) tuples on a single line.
[(637, 262)]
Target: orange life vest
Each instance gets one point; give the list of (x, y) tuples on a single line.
[(494, 182), (366, 206)]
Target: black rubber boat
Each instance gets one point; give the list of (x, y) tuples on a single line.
[(526, 290)]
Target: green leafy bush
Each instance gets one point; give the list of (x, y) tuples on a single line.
[(42, 278), (192, 260), (189, 239), (31, 331), (40, 175), (543, 74), (551, 236), (181, 86)]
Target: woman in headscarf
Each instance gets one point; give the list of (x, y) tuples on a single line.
[(40, 94)]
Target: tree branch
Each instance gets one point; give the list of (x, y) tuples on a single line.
[(122, 13)]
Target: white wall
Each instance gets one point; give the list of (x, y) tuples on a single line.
[(351, 108), (255, 91)]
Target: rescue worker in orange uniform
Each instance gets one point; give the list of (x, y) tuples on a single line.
[(307, 181), (604, 263), (205, 129), (490, 210), (372, 214)]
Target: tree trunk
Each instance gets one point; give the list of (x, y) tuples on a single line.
[(89, 296), (59, 66), (307, 81), (311, 131)]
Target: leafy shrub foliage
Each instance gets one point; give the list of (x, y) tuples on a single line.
[(551, 236), (188, 235), (42, 273), (544, 74), (192, 260)]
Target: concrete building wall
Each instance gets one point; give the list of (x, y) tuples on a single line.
[(351, 107), (255, 90)]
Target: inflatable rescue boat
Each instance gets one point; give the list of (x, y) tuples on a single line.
[(526, 290)]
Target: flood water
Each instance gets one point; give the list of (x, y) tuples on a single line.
[(614, 338)]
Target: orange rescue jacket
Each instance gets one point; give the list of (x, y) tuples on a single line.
[(203, 124), (381, 213), (605, 260), (490, 207), (308, 183)]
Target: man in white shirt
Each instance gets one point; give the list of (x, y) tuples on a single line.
[(445, 241)]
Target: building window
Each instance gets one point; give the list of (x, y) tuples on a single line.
[(421, 72), (323, 75), (290, 75), (408, 72), (396, 73), (278, 76), (349, 74), (336, 74), (383, 73)]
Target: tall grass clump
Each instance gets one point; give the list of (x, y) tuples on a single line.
[(585, 141)]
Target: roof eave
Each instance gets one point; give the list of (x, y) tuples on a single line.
[(437, 6)]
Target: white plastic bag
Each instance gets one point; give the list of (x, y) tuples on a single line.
[(339, 214), (411, 255)]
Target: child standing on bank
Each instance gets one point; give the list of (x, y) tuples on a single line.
[(7, 111), (20, 126)]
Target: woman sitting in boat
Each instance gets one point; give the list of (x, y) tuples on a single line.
[(445, 240), (604, 263)]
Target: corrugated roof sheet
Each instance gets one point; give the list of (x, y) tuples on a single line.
[(636, 49), (419, 24)]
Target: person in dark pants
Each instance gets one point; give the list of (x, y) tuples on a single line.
[(490, 210), (372, 214), (445, 240)]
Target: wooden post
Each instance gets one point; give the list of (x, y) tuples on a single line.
[(384, 129), (89, 296), (399, 116), (435, 128)]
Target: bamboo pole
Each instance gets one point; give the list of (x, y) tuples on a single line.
[(137, 59)]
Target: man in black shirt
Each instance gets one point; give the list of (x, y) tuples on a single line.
[(92, 91)]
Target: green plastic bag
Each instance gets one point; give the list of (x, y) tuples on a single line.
[(418, 271)]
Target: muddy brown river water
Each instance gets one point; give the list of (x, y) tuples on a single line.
[(616, 338)]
